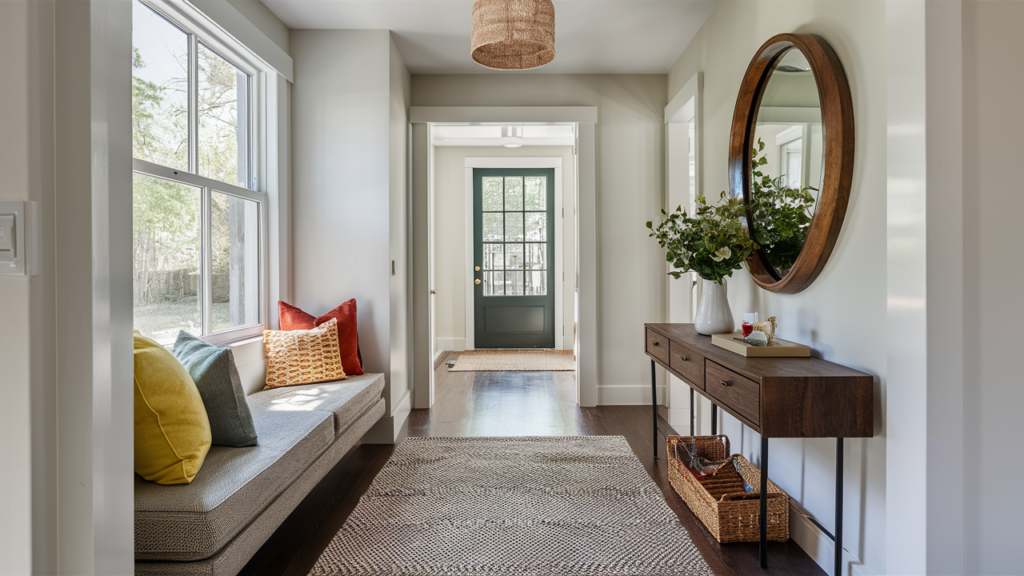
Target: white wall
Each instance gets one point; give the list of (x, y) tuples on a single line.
[(399, 82), (843, 314), (343, 198), (993, 79), (28, 413), (450, 261), (629, 137)]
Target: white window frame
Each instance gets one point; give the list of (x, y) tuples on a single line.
[(202, 30)]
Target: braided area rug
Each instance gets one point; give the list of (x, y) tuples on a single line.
[(529, 506)]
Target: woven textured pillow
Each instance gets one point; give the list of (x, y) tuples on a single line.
[(303, 356)]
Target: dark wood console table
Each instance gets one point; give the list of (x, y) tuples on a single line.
[(776, 397)]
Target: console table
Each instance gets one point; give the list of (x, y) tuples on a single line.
[(775, 397)]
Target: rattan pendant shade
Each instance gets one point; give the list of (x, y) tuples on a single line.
[(513, 34)]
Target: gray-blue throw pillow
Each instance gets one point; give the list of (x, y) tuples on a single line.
[(216, 376)]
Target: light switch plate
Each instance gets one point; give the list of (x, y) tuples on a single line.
[(13, 250)]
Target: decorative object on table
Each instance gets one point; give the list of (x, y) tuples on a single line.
[(776, 348), (746, 328), (768, 327), (756, 338), (794, 207), (513, 34), (712, 244), (727, 500)]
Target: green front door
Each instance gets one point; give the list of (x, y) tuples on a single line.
[(514, 255)]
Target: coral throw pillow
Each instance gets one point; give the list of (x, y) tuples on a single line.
[(293, 318), (303, 356)]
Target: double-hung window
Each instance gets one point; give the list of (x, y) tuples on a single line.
[(199, 223)]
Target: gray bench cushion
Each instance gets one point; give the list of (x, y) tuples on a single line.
[(194, 521), (346, 399)]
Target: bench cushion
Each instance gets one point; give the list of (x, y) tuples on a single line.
[(194, 521), (345, 399)]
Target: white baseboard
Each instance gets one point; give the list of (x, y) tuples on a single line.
[(387, 429), (820, 547), (627, 395), (452, 344)]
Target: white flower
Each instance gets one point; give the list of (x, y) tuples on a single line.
[(721, 254)]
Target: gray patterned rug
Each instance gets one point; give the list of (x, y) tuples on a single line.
[(523, 506)]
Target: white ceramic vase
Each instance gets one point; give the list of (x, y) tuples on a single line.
[(714, 315)]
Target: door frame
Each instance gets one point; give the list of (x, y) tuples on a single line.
[(514, 162)]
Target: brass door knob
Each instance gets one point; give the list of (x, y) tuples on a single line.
[(477, 268), (477, 281), (433, 291)]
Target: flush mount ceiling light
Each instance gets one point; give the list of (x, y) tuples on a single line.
[(512, 136), (513, 34)]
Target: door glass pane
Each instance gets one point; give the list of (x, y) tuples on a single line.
[(498, 283), (494, 257), (166, 278), (159, 89), (536, 256), (514, 284), (536, 226), (492, 193), (235, 262), (223, 119), (493, 227), (513, 193), (513, 226), (514, 256), (536, 193), (536, 283)]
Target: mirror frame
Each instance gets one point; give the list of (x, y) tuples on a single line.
[(837, 170)]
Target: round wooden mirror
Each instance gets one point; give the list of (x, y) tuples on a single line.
[(791, 158)]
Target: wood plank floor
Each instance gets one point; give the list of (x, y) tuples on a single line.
[(503, 404)]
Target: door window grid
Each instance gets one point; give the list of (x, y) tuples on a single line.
[(514, 235)]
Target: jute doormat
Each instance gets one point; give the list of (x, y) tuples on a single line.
[(515, 361), (513, 506)]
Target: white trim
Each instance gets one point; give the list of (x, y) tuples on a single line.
[(628, 395), (819, 546), (219, 18), (504, 114), (515, 162), (693, 86)]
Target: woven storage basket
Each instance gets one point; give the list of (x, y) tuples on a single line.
[(734, 516)]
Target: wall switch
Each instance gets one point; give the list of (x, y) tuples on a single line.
[(6, 232), (13, 221)]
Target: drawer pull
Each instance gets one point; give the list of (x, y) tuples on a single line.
[(726, 382), (683, 358), (656, 343)]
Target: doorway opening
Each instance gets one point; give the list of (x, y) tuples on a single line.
[(502, 242)]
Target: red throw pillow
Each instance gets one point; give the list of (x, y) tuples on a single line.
[(293, 318)]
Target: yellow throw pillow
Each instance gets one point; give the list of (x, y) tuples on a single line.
[(303, 356), (172, 431)]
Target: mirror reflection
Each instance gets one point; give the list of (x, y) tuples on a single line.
[(787, 162)]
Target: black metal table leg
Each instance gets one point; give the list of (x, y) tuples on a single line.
[(764, 503), (693, 417), (654, 406), (839, 507), (714, 419)]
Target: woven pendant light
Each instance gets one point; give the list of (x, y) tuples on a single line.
[(513, 34)]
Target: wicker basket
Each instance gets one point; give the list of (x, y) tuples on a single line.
[(734, 516)]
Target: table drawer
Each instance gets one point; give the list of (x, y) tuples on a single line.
[(689, 364), (657, 346), (737, 392)]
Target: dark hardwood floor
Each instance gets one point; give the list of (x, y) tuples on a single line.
[(503, 404)]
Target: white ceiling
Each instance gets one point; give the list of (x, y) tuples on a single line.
[(491, 135), (591, 36)]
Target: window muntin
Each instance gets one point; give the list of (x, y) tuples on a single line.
[(514, 219), (192, 118)]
